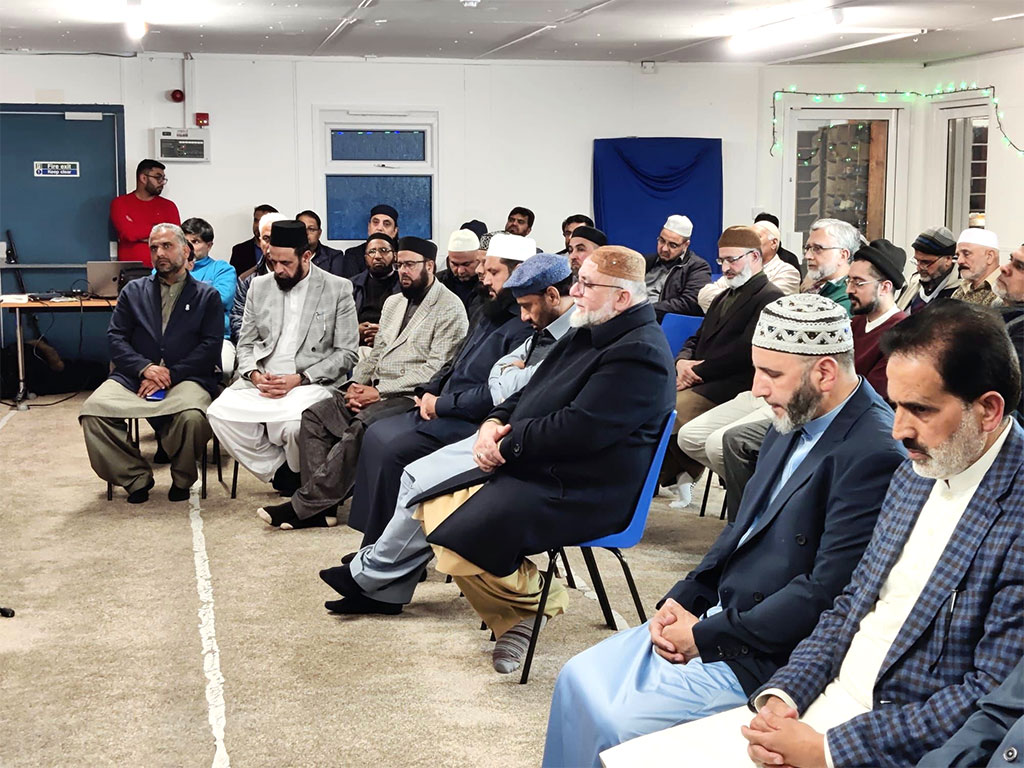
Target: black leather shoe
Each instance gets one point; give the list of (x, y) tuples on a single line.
[(177, 494), (362, 605), (141, 496)]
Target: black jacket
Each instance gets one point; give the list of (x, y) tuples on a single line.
[(467, 290), (805, 543), (580, 446), (330, 260), (244, 256), (684, 281), (191, 346), (723, 341), (369, 311)]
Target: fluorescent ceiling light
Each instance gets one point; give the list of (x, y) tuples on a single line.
[(1012, 16), (134, 23), (787, 32)]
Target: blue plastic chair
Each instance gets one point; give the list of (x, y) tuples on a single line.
[(629, 537), (678, 329)]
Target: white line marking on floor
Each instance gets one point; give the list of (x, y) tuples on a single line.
[(208, 633), (7, 418)]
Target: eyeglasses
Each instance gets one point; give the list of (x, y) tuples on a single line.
[(818, 249), (408, 264), (663, 241), (384, 252), (155, 177), (585, 285), (927, 263), (313, 229), (856, 283), (723, 260)]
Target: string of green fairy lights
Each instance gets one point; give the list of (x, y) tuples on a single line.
[(885, 97)]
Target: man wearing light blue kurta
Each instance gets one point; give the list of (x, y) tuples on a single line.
[(804, 520)]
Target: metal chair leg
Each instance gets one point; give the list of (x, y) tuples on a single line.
[(707, 491), (528, 661), (202, 492), (448, 579), (110, 492), (216, 459), (632, 584), (595, 578), (234, 481), (568, 571), (725, 499)]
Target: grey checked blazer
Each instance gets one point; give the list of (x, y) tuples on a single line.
[(405, 358), (328, 325), (962, 637)]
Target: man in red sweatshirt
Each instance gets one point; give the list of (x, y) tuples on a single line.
[(135, 214)]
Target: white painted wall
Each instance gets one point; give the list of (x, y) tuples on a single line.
[(510, 133)]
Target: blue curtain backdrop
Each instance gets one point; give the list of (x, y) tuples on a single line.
[(638, 183)]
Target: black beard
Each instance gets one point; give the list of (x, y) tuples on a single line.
[(380, 272), (497, 309), (414, 292), (287, 283), (865, 309)]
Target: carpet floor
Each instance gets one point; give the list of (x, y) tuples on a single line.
[(191, 634)]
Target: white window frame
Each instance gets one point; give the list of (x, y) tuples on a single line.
[(327, 119), (943, 114), (897, 164)]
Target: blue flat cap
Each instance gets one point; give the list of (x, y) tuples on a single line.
[(537, 273)]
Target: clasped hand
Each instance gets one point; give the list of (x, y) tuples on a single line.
[(275, 385), (685, 377), (777, 738), (358, 396), (671, 631), (427, 403), (154, 378), (486, 449)]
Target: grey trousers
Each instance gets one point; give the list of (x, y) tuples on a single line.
[(740, 448), (117, 460), (389, 569), (329, 440)]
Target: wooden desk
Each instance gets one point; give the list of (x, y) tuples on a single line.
[(71, 305)]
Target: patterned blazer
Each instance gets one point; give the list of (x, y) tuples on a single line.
[(962, 637), (404, 358)]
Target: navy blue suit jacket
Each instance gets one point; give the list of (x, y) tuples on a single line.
[(461, 386), (805, 544), (191, 346)]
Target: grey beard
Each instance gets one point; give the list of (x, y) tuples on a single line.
[(952, 457), (801, 408)]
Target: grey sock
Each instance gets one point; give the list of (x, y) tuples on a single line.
[(510, 649)]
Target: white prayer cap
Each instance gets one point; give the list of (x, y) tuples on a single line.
[(463, 240), (680, 225), (804, 324), (267, 219), (983, 237), (513, 247)]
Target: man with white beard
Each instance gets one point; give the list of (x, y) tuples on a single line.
[(714, 365), (806, 518), (931, 619), (830, 246)]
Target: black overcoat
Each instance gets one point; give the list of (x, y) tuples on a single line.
[(584, 431)]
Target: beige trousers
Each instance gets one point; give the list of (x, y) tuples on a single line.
[(501, 602)]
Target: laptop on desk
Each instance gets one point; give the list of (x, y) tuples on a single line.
[(106, 278)]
